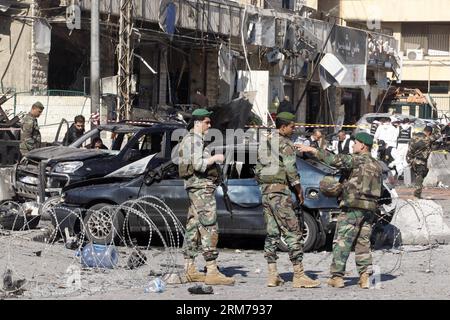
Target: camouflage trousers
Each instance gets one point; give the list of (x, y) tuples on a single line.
[(202, 232), (420, 171), (353, 228), (280, 221)]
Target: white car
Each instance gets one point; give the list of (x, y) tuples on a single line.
[(370, 121)]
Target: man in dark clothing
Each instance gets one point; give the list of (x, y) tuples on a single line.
[(286, 106), (199, 100), (75, 131), (315, 140), (344, 144)]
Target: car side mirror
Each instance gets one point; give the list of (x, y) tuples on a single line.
[(132, 155)]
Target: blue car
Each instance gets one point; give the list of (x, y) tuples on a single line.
[(317, 215)]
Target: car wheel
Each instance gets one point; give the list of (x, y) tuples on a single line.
[(103, 224), (310, 233)]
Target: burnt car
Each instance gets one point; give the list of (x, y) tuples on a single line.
[(43, 172), (87, 199)]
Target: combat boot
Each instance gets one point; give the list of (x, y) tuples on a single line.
[(364, 280), (192, 274), (214, 277), (301, 280), (274, 279), (336, 281)]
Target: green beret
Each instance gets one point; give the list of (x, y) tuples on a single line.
[(286, 116), (39, 105), (365, 138), (201, 113)]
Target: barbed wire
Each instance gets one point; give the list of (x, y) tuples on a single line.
[(138, 278), (157, 218)]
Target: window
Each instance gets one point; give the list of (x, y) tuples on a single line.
[(151, 143), (434, 39), (243, 165), (241, 170), (414, 36), (286, 4), (439, 87)]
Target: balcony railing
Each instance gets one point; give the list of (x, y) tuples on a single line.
[(220, 17)]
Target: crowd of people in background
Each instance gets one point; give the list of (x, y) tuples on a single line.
[(393, 142)]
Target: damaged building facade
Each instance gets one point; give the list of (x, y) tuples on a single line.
[(219, 47)]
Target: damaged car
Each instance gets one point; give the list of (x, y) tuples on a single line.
[(238, 198), (43, 172)]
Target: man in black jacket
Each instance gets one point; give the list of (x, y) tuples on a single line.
[(75, 131), (286, 106)]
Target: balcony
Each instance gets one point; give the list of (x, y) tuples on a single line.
[(393, 11), (222, 17)]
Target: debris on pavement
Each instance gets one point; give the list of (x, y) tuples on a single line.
[(136, 259), (10, 285), (200, 289), (175, 278)]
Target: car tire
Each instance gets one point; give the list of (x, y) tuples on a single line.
[(103, 224), (311, 232)]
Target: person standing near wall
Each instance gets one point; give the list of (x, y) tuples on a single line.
[(30, 136), (75, 131)]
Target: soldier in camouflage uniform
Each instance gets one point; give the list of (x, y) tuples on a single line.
[(359, 197), (200, 173), (30, 137), (419, 150), (277, 173)]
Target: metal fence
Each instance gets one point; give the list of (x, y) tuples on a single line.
[(46, 93), (64, 93), (442, 104)]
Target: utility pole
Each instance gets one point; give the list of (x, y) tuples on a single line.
[(125, 61), (95, 57)]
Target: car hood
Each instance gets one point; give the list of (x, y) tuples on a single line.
[(99, 181), (60, 153)]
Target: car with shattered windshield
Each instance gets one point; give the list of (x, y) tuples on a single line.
[(98, 208), (43, 172)]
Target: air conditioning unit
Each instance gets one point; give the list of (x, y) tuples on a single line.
[(414, 54)]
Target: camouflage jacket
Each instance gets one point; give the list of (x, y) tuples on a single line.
[(420, 148), (193, 163), (362, 189), (30, 137), (276, 168)]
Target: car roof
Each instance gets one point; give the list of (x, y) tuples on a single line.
[(138, 126), (393, 117)]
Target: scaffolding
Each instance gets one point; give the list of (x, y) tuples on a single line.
[(125, 61)]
